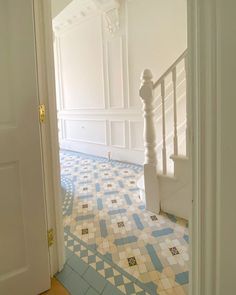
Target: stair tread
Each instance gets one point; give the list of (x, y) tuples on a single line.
[(179, 157), (167, 176)]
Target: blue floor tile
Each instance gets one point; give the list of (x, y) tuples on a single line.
[(154, 258), (103, 228), (117, 211), (85, 217), (162, 232), (127, 199), (111, 290), (86, 197), (186, 238), (68, 253), (64, 274), (75, 284), (138, 222), (129, 288), (77, 264), (99, 204), (91, 291), (95, 279), (126, 240), (182, 278)]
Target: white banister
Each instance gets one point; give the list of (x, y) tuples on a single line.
[(164, 160), (149, 182), (178, 60), (175, 111), (150, 165), (165, 93)]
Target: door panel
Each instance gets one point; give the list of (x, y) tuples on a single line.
[(24, 266)]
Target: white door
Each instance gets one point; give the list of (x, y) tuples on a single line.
[(24, 263)]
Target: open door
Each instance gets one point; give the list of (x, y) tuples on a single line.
[(24, 262)]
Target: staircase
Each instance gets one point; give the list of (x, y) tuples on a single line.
[(166, 183)]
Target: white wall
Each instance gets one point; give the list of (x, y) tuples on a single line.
[(156, 38), (99, 105)]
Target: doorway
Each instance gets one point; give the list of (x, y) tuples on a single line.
[(72, 162)]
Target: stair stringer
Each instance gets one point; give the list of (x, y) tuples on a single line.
[(175, 191)]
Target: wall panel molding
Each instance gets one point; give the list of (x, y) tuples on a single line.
[(136, 135), (117, 134), (74, 29), (85, 130), (115, 72)]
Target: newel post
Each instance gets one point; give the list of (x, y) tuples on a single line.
[(151, 186), (146, 94)]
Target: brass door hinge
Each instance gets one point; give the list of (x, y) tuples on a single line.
[(50, 237), (42, 113)]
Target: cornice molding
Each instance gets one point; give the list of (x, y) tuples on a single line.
[(76, 12), (79, 10)]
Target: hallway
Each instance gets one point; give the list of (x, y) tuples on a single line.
[(112, 242)]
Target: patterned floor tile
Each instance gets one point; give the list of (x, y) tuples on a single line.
[(108, 229)]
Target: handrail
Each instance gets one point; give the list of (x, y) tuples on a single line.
[(157, 83)]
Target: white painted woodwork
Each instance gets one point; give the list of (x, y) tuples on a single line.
[(175, 112), (115, 72), (83, 131), (170, 92), (24, 267), (49, 132), (136, 135), (151, 187), (117, 134), (147, 96), (212, 59), (163, 127), (173, 189), (226, 119), (176, 190)]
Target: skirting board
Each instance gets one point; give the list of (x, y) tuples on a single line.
[(119, 154)]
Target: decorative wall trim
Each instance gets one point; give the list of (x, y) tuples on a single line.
[(109, 70), (74, 13), (123, 137), (131, 141), (112, 20), (57, 52), (66, 137)]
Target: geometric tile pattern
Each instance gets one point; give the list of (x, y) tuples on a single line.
[(108, 228), (102, 265)]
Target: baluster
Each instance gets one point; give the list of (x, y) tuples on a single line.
[(187, 111), (175, 112), (163, 127)]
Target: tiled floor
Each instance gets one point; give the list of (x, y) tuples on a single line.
[(114, 246)]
